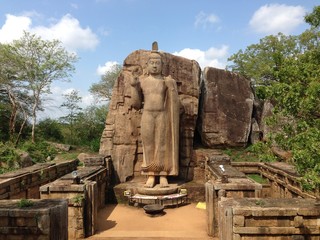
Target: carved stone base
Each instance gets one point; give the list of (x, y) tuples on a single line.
[(157, 190)]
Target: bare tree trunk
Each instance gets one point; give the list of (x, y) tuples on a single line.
[(34, 115), (34, 121), (13, 115), (25, 115)]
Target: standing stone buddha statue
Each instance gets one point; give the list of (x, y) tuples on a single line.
[(157, 95)]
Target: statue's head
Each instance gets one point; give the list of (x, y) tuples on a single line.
[(154, 64)]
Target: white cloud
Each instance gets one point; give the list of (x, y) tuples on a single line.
[(275, 18), (13, 27), (68, 30), (70, 33), (203, 19), (106, 67), (87, 100), (212, 57), (74, 5)]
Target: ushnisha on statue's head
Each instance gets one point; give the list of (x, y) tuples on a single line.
[(154, 63), (154, 52)]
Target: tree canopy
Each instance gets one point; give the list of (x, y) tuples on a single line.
[(102, 90), (285, 70), (28, 67)]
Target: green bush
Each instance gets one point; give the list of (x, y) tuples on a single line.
[(23, 203), (39, 151), (95, 144), (263, 152), (8, 157), (50, 130)]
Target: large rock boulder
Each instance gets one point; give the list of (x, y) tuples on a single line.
[(225, 109), (25, 159), (121, 136)]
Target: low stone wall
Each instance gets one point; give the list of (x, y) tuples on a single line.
[(264, 219), (226, 181), (45, 219), (84, 198), (283, 179), (229, 181), (202, 157), (25, 183)]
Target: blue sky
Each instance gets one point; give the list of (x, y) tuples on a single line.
[(104, 32)]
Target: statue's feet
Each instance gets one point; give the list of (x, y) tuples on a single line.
[(164, 182), (150, 182)]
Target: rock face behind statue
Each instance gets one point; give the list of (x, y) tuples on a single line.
[(121, 136), (226, 109)]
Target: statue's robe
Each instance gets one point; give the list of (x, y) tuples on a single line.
[(166, 164)]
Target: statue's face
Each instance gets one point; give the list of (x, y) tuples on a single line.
[(154, 66)]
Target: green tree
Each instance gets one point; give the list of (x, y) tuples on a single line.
[(89, 126), (313, 18), (71, 103), (102, 90), (14, 93), (39, 63), (50, 129), (266, 63), (285, 70)]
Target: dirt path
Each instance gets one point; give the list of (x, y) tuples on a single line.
[(128, 222)]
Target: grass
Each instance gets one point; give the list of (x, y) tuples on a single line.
[(258, 178), (24, 203), (66, 156), (241, 155), (72, 154)]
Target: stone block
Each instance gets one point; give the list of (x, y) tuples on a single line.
[(20, 221), (34, 221), (44, 224), (238, 221), (298, 221), (4, 221)]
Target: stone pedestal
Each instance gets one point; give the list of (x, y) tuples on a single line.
[(157, 190)]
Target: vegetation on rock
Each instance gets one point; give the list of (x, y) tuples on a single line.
[(285, 70), (24, 203)]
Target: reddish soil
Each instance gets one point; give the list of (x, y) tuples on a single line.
[(128, 222)]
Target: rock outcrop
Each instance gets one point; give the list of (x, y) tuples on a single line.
[(225, 109), (121, 136)]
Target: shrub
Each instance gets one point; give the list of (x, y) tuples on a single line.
[(39, 151), (23, 203), (8, 157)]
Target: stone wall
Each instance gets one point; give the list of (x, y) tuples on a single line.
[(229, 181), (284, 182), (224, 181), (121, 136), (264, 219), (202, 157), (45, 219), (84, 198), (25, 182)]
